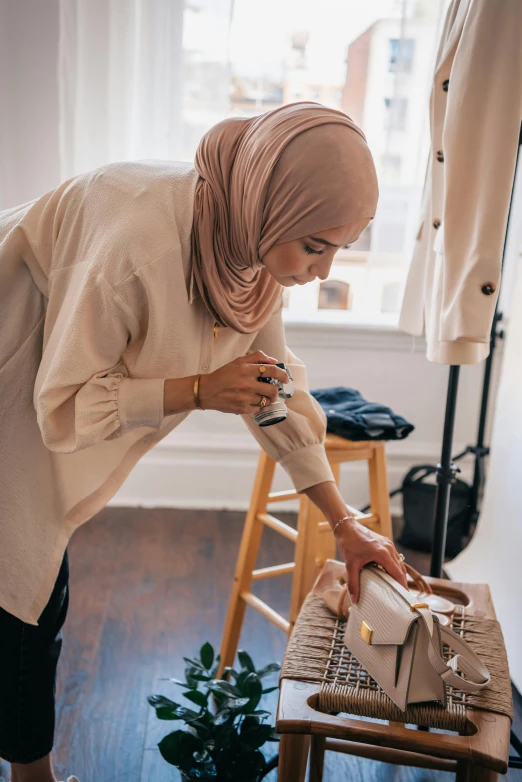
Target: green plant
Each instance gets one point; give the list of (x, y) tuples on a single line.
[(222, 739)]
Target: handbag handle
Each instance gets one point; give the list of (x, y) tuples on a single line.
[(465, 660), (418, 581)]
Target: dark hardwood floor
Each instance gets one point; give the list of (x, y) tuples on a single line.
[(148, 587)]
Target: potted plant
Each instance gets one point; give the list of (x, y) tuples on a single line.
[(222, 738)]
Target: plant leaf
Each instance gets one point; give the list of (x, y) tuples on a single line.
[(228, 670), (201, 677), (225, 688), (251, 689), (270, 689), (194, 663), (176, 681), (207, 655), (187, 714), (160, 700), (222, 716), (177, 749), (236, 703), (246, 661), (272, 668), (197, 697)]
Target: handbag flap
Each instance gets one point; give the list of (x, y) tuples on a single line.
[(384, 606)]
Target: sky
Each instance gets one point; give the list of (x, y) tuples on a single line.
[(261, 31)]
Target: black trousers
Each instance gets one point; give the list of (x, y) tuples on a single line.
[(28, 660)]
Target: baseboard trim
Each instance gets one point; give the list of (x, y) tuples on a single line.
[(203, 470)]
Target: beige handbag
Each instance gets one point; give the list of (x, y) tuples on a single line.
[(399, 642)]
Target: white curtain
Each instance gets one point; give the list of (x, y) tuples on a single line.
[(127, 78)]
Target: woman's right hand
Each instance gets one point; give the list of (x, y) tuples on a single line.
[(235, 388)]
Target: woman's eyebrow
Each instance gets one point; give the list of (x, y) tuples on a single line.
[(323, 241)]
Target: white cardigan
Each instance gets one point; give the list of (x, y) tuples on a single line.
[(96, 314), (475, 115)]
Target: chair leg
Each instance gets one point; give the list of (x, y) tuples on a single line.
[(248, 550), (317, 750), (379, 492), (293, 755), (471, 772)]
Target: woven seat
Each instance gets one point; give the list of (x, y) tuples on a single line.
[(321, 678)]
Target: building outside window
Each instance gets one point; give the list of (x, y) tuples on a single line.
[(334, 295), (401, 53)]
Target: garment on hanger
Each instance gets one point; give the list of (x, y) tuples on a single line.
[(475, 115)]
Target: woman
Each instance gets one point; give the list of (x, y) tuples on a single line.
[(123, 287)]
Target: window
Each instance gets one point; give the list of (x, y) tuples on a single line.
[(391, 166), (334, 295), (401, 55), (395, 113), (371, 60)]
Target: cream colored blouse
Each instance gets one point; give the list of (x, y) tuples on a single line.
[(97, 312)]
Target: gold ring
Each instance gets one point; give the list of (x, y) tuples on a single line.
[(262, 369), (263, 401)]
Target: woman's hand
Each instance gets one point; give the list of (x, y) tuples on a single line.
[(235, 387), (358, 546)]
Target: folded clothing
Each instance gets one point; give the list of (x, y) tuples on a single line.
[(350, 415)]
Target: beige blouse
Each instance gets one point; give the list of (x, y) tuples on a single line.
[(97, 312)]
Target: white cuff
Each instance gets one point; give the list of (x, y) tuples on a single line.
[(140, 402), (307, 466)]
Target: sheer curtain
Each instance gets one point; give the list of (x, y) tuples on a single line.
[(128, 73)]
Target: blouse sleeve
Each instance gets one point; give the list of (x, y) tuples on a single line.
[(83, 393), (298, 442)]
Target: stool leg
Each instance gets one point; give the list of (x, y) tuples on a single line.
[(471, 772), (317, 758), (314, 545), (248, 550), (379, 492), (293, 754)]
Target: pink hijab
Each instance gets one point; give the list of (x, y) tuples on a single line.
[(299, 169)]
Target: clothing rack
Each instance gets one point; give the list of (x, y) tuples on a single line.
[(447, 469)]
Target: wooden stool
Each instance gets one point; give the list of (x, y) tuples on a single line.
[(477, 755), (314, 541)]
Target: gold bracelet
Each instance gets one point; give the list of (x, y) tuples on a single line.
[(344, 518), (196, 393)]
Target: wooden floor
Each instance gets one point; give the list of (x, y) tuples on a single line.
[(147, 587)]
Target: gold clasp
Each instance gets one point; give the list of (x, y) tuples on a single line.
[(366, 633), (418, 605)]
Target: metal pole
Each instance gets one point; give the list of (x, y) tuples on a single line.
[(446, 472)]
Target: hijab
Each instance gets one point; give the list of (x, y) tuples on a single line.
[(297, 170)]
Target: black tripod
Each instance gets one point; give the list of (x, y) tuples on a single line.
[(447, 469)]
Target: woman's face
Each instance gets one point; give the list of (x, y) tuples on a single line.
[(303, 260)]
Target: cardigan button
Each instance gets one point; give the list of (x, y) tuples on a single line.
[(204, 367), (445, 85), (488, 288), (440, 156), (436, 224)]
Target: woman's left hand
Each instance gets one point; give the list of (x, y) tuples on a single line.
[(358, 546)]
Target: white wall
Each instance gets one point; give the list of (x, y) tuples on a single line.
[(29, 100)]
